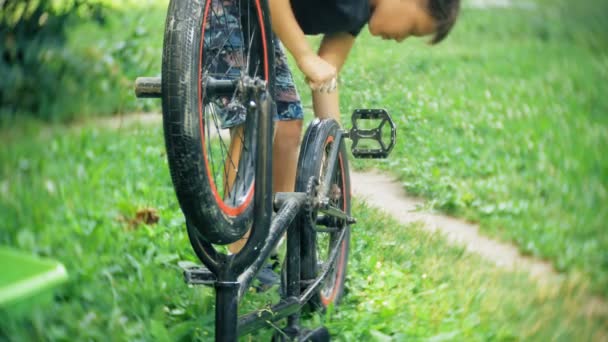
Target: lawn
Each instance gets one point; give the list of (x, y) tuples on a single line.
[(503, 124), (73, 195)]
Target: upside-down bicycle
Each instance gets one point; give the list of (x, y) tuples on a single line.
[(223, 176)]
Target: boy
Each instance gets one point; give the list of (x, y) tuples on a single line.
[(340, 21)]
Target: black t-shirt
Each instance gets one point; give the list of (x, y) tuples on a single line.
[(331, 16)]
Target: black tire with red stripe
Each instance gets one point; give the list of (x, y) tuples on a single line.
[(316, 246), (196, 149)]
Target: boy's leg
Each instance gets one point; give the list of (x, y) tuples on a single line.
[(288, 127), (285, 153), (326, 105)]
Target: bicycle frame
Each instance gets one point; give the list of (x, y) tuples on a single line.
[(232, 275)]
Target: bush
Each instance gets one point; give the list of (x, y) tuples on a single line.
[(34, 60)]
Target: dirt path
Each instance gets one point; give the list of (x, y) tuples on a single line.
[(123, 121), (388, 195)]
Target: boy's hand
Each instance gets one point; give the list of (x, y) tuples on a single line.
[(320, 74)]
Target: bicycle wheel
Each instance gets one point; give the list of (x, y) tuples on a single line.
[(211, 136), (320, 234)]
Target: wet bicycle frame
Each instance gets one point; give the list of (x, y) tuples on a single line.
[(232, 275)]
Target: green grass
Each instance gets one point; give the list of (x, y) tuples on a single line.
[(503, 124), (67, 193)]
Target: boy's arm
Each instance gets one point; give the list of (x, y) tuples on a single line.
[(291, 35), (319, 68), (334, 49)]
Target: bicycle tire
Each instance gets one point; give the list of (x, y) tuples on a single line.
[(316, 246), (202, 159)]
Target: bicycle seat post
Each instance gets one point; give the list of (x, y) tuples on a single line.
[(226, 313)]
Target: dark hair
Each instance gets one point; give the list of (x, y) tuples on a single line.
[(446, 13)]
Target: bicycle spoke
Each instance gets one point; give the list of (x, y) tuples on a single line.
[(229, 33), (224, 149), (226, 40), (209, 147), (246, 71), (239, 181)]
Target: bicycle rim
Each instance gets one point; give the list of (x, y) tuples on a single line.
[(321, 234), (327, 241), (232, 45)]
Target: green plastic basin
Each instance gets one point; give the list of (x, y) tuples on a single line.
[(24, 278)]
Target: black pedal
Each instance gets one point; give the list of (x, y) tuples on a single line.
[(379, 135), (198, 275)]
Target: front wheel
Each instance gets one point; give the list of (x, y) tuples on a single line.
[(211, 136), (321, 233)]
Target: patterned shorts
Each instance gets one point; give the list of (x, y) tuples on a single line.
[(223, 38)]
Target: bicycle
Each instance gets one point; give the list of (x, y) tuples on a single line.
[(222, 174)]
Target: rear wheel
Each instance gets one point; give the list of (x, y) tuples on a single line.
[(211, 135), (321, 233)]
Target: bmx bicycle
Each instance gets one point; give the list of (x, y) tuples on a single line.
[(222, 173)]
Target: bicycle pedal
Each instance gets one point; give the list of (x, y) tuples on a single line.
[(199, 275), (362, 135)]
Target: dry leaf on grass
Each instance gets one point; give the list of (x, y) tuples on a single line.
[(147, 216)]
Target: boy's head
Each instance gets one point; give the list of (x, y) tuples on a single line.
[(399, 19)]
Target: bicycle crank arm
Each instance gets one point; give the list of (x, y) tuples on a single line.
[(330, 210), (362, 136)]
